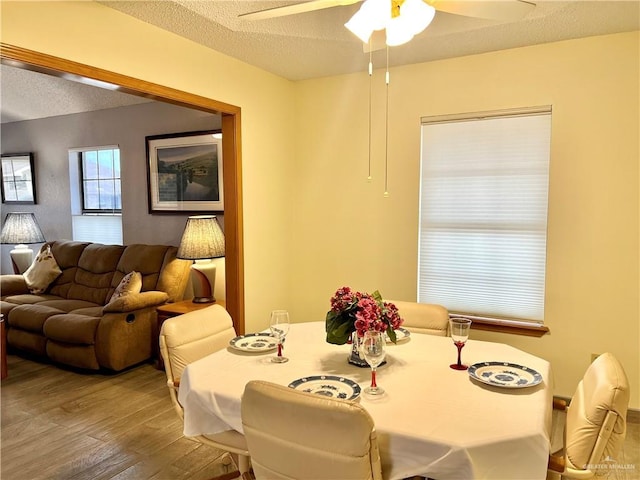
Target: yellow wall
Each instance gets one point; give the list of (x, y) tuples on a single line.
[(347, 233), (90, 33), (313, 223)]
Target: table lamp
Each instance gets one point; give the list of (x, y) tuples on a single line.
[(201, 241), (21, 229)]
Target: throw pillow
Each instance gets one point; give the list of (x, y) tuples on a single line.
[(130, 283), (42, 271)]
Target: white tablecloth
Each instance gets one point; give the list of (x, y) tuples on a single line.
[(432, 421)]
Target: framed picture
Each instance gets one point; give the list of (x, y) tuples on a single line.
[(184, 172), (18, 179)]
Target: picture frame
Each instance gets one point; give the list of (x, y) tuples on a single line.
[(18, 179), (184, 172)]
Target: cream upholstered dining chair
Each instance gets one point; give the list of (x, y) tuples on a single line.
[(297, 435), (595, 424), (190, 337), (423, 317)]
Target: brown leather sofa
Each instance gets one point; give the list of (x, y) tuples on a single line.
[(74, 323)]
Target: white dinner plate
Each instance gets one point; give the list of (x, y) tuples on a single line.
[(254, 342), (504, 374), (401, 334), (328, 386)]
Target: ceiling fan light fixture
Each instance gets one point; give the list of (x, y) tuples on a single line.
[(398, 31), (418, 14), (359, 25), (402, 19), (372, 15), (377, 12)]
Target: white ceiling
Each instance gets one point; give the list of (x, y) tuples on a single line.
[(26, 95), (316, 44), (313, 44)]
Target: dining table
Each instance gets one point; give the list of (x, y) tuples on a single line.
[(432, 420)]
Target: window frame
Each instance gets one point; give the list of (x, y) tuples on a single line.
[(100, 211)]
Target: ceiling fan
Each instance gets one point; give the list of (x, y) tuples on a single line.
[(401, 20), (504, 10)]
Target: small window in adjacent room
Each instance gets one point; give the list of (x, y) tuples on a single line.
[(96, 200), (100, 171), (483, 214)]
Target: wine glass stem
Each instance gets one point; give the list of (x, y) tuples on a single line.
[(280, 349), (459, 345), (373, 378)]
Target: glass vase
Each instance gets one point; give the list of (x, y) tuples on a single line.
[(355, 358)]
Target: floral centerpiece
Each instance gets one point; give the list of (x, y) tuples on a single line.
[(356, 312)]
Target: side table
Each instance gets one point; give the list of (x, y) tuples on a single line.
[(170, 310)]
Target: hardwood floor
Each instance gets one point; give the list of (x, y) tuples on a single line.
[(60, 424)]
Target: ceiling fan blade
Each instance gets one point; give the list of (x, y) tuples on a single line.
[(303, 7), (492, 10)]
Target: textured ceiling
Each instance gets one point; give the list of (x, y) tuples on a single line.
[(316, 44), (310, 45), (26, 95)]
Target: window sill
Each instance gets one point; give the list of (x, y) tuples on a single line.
[(506, 326)]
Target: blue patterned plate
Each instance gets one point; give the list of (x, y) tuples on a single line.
[(328, 386), (401, 335), (254, 342), (504, 374)]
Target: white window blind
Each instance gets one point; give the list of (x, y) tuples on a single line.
[(483, 213), (106, 229)]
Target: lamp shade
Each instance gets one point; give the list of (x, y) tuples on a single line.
[(21, 228), (202, 239)]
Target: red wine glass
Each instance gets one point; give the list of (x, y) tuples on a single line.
[(459, 334), (372, 347)]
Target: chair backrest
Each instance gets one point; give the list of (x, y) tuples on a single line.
[(596, 417), (297, 435), (190, 337), (423, 317)]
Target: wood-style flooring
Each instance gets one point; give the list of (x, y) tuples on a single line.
[(61, 424), (58, 424)]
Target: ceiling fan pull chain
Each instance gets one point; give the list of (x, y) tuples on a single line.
[(386, 141), (370, 82)]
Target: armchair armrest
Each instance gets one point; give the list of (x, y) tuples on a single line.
[(12, 285), (136, 301)]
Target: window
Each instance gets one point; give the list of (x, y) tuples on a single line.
[(96, 202), (100, 171), (483, 213)]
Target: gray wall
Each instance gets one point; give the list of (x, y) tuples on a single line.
[(50, 138)]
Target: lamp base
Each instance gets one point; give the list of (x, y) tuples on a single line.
[(203, 300), (203, 278), (21, 258)]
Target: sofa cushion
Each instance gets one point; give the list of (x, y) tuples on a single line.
[(31, 317), (42, 272), (72, 328), (174, 276), (94, 275), (27, 341), (30, 299), (67, 254), (67, 306), (81, 356), (130, 283), (90, 311), (146, 259)]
